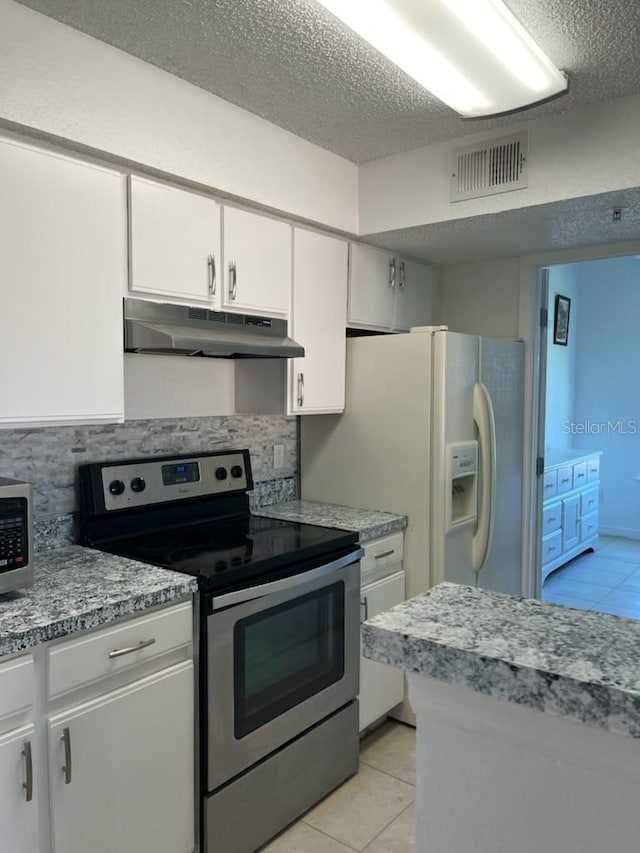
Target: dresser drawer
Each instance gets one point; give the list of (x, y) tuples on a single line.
[(551, 547), (593, 469), (381, 557), (565, 479), (550, 487), (17, 689), (579, 474), (551, 518), (589, 501), (74, 663), (588, 526)]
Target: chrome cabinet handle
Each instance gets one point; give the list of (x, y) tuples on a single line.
[(548, 485), (66, 739), (392, 272), (566, 479), (301, 389), (211, 263), (233, 280), (401, 275), (28, 765), (365, 603), (578, 475), (384, 554), (117, 653)]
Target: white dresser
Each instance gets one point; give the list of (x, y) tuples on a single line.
[(570, 506)]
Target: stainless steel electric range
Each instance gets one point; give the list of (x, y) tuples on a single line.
[(277, 629)]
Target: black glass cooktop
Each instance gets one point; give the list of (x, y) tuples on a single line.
[(229, 553)]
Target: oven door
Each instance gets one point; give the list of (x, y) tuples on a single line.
[(281, 657)]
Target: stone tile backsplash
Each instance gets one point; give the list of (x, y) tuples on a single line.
[(48, 457)]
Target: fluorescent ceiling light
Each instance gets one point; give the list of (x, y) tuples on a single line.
[(472, 54)]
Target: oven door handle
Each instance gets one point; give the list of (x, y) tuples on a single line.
[(241, 596)]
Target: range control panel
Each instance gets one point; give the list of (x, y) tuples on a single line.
[(145, 482)]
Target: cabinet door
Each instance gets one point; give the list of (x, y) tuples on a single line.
[(18, 814), (381, 686), (129, 778), (318, 322), (372, 284), (413, 296), (63, 267), (174, 242), (257, 263), (570, 527)]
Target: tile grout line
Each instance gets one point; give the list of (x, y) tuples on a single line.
[(331, 837), (387, 773), (397, 817)]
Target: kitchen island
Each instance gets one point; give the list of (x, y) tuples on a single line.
[(528, 721)]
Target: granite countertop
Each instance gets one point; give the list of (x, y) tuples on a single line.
[(76, 589), (370, 524), (565, 456), (573, 663)]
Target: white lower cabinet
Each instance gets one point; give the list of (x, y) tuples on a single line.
[(381, 686), (121, 769), (19, 829)]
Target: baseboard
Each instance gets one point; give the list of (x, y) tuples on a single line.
[(624, 532)]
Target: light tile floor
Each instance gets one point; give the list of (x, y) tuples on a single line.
[(372, 811), (607, 581)]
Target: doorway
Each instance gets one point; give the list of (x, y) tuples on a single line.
[(590, 531)]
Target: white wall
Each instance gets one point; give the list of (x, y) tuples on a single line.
[(481, 298), (562, 361), (58, 81), (607, 406), (581, 153)]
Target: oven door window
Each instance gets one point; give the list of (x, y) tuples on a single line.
[(286, 654)]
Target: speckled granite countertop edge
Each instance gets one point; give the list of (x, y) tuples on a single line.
[(369, 524), (573, 684), (78, 589)]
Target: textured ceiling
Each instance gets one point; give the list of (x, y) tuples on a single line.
[(292, 63), (566, 224)]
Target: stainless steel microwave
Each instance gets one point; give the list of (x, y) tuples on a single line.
[(16, 535)]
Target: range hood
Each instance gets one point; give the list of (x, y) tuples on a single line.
[(168, 329)]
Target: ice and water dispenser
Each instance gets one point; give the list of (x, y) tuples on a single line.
[(462, 484)]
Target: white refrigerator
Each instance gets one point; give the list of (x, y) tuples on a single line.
[(432, 429)]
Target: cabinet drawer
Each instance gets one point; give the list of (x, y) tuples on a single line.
[(381, 557), (579, 474), (550, 484), (593, 469), (551, 519), (589, 501), (78, 662), (565, 479), (551, 547), (16, 686), (588, 526)]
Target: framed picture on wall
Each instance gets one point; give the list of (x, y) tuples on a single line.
[(561, 320)]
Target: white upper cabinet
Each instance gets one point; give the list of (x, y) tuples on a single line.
[(257, 263), (174, 242), (414, 294), (63, 267), (387, 293), (371, 287), (318, 319)]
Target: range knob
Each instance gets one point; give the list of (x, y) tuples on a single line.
[(236, 471), (116, 487), (221, 473), (138, 484)]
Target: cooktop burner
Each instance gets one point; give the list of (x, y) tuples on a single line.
[(191, 514)]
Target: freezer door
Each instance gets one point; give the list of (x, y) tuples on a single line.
[(502, 373), (456, 369)]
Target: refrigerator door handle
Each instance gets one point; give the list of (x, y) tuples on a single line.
[(485, 422)]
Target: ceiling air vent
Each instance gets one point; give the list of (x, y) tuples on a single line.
[(495, 166)]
